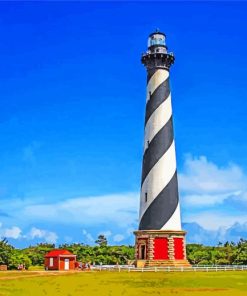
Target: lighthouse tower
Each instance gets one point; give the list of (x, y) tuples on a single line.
[(160, 240)]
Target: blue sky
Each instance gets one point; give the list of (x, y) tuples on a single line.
[(72, 101)]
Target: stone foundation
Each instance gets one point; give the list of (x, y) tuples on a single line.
[(160, 248)]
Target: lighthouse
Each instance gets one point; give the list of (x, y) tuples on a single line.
[(160, 240)]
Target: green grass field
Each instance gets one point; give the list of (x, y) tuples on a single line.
[(123, 283)]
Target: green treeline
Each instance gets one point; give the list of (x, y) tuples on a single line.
[(223, 254)]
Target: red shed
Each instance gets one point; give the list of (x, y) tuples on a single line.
[(60, 260)]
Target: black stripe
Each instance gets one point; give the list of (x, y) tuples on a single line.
[(157, 148), (151, 73), (162, 208), (157, 98)]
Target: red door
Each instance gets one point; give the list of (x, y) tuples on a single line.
[(178, 248), (160, 248)]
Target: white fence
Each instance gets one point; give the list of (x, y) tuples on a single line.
[(193, 268)]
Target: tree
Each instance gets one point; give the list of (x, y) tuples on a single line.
[(5, 251), (227, 253), (37, 253), (241, 252), (18, 257), (101, 241)]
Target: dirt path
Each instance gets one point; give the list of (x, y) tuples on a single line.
[(37, 274)]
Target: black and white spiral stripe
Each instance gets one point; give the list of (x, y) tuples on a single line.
[(159, 208)]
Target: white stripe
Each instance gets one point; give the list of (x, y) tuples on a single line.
[(158, 77), (174, 223), (157, 120), (159, 176)]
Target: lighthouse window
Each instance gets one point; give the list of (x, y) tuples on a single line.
[(157, 41), (146, 197)]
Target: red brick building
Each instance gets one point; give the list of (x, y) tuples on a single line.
[(60, 260)]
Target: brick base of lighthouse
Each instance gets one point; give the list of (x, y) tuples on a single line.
[(160, 248)]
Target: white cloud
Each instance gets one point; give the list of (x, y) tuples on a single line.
[(199, 200), (215, 219), (212, 196), (120, 209), (48, 236), (202, 176), (88, 236), (201, 235), (106, 233), (13, 232), (107, 214), (35, 232), (118, 238), (51, 237), (203, 183)]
